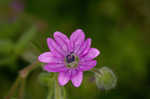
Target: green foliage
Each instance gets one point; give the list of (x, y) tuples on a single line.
[(24, 40), (45, 78), (120, 29), (55, 91), (6, 47)]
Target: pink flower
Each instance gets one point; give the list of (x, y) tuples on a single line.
[(69, 56), (17, 6)]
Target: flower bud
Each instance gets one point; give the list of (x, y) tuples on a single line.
[(105, 78)]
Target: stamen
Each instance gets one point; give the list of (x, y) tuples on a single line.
[(70, 58)]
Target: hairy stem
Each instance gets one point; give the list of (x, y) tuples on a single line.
[(21, 89), (95, 70), (21, 80), (13, 88)]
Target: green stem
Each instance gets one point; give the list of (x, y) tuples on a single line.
[(57, 91), (21, 89), (13, 88), (23, 74), (95, 70), (50, 88)]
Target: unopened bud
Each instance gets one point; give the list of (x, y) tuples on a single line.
[(105, 78)]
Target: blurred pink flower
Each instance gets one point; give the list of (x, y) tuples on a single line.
[(69, 56), (17, 6)]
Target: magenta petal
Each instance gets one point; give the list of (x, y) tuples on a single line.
[(63, 78), (62, 40), (93, 53), (48, 57), (77, 79), (54, 67), (87, 65), (45, 57), (85, 47), (77, 39), (54, 47)]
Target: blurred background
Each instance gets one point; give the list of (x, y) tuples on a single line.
[(120, 29)]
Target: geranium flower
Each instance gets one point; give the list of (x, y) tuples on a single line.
[(69, 56)]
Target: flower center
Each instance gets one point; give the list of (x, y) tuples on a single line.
[(71, 60)]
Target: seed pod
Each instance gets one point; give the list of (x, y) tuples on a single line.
[(105, 78)]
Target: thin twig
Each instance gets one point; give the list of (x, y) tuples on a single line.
[(21, 89), (21, 78), (24, 72), (13, 88)]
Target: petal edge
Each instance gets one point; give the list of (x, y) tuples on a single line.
[(62, 40), (77, 79), (63, 78), (76, 39), (45, 57), (93, 53)]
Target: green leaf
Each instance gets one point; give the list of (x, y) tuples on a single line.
[(24, 40), (6, 46)]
